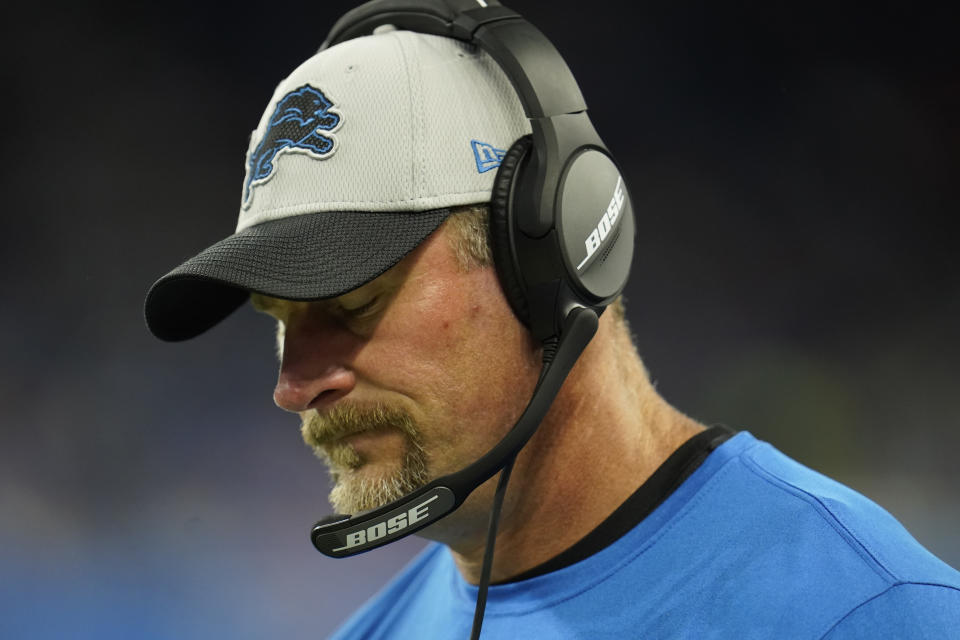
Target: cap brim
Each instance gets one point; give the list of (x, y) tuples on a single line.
[(305, 257)]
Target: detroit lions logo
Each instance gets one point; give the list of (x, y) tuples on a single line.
[(297, 125)]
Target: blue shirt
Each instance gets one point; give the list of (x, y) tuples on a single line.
[(751, 545)]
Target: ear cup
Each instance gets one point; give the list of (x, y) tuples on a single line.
[(500, 244)]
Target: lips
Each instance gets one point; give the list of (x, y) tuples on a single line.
[(319, 431), (338, 436), (347, 424)]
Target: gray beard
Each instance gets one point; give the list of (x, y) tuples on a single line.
[(353, 492)]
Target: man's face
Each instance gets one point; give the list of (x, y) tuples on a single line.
[(412, 376)]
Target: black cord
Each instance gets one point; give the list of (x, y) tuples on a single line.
[(549, 352), (488, 553)]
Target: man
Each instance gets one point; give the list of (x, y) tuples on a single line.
[(363, 231)]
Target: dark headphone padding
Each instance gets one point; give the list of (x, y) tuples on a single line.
[(500, 225)]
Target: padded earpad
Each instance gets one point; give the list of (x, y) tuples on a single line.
[(500, 228)]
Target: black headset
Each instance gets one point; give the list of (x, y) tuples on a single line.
[(561, 229), (553, 247)]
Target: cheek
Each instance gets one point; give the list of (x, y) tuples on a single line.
[(423, 331), (454, 347), (463, 320), (484, 351), (449, 308)]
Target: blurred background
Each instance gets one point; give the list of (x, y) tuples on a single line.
[(795, 169)]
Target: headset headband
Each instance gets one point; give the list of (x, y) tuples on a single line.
[(543, 81)]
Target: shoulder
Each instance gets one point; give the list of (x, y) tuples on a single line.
[(830, 551), (855, 522), (905, 610)]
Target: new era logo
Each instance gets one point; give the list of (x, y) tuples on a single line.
[(487, 156)]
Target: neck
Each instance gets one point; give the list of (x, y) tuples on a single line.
[(597, 445)]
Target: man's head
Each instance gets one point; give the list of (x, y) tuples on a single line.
[(395, 328)]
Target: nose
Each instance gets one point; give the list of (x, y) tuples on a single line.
[(315, 370)]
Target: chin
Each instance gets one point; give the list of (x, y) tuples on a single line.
[(372, 486)]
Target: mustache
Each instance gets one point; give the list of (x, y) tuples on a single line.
[(323, 429)]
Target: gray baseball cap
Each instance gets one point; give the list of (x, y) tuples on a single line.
[(359, 156)]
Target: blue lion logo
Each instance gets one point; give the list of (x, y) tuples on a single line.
[(295, 125)]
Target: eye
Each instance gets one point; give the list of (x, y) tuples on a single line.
[(366, 309)]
